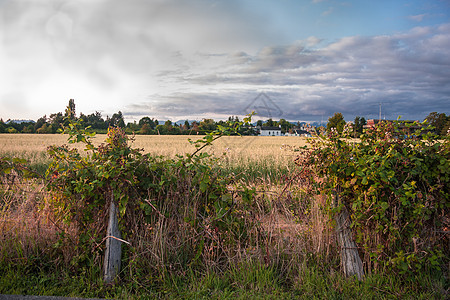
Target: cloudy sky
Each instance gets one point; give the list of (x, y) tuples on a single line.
[(178, 59)]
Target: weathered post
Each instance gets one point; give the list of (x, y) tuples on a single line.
[(350, 260), (113, 251)]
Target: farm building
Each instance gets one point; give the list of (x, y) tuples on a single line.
[(269, 131), (298, 132), (406, 127)]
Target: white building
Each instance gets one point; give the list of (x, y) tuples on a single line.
[(269, 131), (298, 132)]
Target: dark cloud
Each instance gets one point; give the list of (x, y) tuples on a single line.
[(408, 73)]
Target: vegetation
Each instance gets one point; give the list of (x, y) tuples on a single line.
[(358, 126), (439, 122), (194, 225), (395, 184), (336, 122), (254, 159), (146, 125)]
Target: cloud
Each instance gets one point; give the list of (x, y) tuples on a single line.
[(110, 49), (329, 11), (408, 72), (174, 59), (417, 18)]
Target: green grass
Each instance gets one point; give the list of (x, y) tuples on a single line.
[(245, 281), (268, 170), (37, 161)]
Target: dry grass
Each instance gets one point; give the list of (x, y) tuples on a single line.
[(238, 150), (284, 225), (25, 228)]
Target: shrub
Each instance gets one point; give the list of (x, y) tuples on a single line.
[(178, 210), (395, 184)]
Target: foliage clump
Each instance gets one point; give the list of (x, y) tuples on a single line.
[(394, 181), (183, 203)]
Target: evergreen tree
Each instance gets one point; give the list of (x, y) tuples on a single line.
[(70, 110), (358, 126)]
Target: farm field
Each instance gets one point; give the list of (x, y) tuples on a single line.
[(251, 147), (267, 155), (267, 234)]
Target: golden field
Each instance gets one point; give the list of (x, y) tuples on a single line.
[(239, 150)]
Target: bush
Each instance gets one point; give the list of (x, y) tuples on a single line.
[(174, 213), (394, 181)]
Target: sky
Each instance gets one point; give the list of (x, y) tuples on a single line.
[(301, 60)]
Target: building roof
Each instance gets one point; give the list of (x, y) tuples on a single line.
[(300, 131), (270, 128)]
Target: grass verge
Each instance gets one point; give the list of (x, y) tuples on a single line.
[(251, 280)]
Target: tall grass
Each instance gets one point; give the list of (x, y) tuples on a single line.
[(286, 249), (248, 158)]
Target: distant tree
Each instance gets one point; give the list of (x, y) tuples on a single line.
[(40, 122), (259, 123), (194, 127), (162, 129), (445, 131), (28, 129), (175, 130), (285, 125), (96, 121), (207, 125), (46, 128), (336, 121), (12, 130), (186, 125), (17, 126), (167, 127), (145, 129), (116, 120), (440, 122), (70, 110), (133, 127), (270, 123), (56, 120), (147, 120), (233, 119), (2, 126), (358, 126)]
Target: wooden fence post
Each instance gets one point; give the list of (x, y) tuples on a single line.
[(113, 251), (350, 260)]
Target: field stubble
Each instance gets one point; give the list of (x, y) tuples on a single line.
[(237, 147), (249, 157)]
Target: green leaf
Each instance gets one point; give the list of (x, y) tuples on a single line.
[(364, 181), (203, 186)]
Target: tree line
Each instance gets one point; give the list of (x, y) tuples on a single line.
[(151, 126), (439, 121), (146, 125)]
